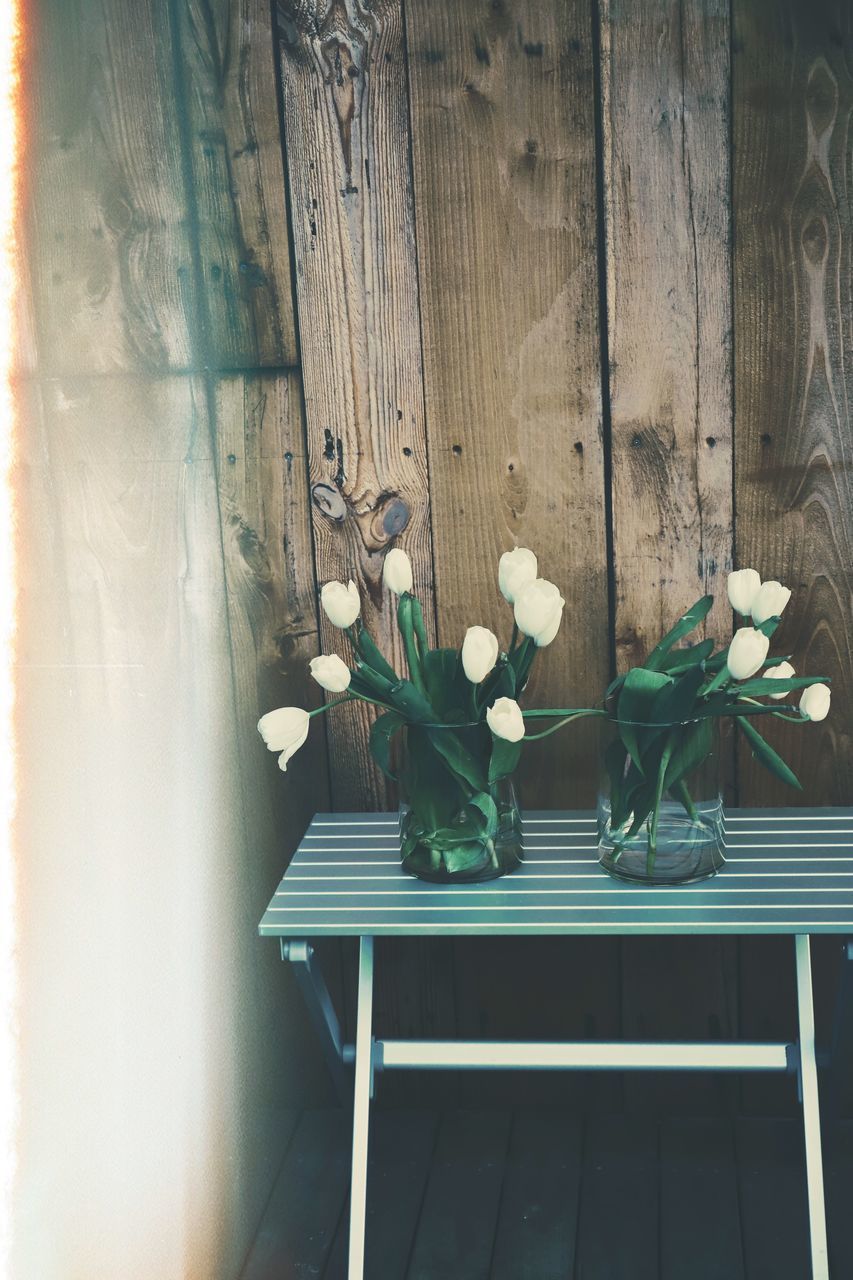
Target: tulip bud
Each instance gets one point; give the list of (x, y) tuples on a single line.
[(784, 671), (769, 602), (479, 653), (341, 603), (538, 611), (814, 704), (515, 570), (397, 571), (505, 720), (742, 586), (284, 730), (331, 672), (747, 652)]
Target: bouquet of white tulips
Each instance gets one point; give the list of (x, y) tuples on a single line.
[(664, 710), (459, 709)]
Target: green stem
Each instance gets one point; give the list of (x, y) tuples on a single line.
[(534, 737), (420, 629), (780, 715), (514, 639), (348, 697), (655, 816), (542, 713), (405, 623)]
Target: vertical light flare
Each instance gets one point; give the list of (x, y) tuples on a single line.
[(9, 155)]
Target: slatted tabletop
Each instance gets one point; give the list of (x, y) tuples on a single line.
[(787, 871)]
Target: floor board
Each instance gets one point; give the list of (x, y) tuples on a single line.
[(700, 1214), (537, 1224), (618, 1232), (460, 1211), (540, 1194)]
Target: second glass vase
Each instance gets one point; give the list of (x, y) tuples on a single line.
[(680, 838)]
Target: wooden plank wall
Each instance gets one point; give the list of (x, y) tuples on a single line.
[(311, 280)]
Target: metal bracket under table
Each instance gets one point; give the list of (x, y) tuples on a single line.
[(787, 871)]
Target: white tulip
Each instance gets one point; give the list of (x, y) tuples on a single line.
[(397, 571), (505, 719), (479, 653), (538, 611), (747, 652), (341, 603), (515, 570), (742, 586), (784, 671), (769, 601), (814, 704), (331, 672), (284, 730)]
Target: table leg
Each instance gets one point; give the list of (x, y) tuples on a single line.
[(811, 1109), (361, 1108)]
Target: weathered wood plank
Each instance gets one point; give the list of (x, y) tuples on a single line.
[(346, 115), (792, 97), (620, 1174), (665, 133), (503, 127), (700, 1216), (536, 1234), (773, 1204), (401, 1147), (460, 1210), (793, 218), (504, 167), (664, 77), (226, 52), (107, 231)]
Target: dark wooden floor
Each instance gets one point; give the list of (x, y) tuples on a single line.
[(542, 1195)]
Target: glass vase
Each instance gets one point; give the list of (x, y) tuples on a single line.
[(455, 826), (661, 825)]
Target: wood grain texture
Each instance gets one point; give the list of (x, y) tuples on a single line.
[(346, 116), (503, 149), (664, 76), (665, 163), (107, 229), (227, 55), (793, 210)]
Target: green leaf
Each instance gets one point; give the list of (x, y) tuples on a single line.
[(460, 759), (765, 755), (448, 688), (680, 659), (767, 628), (615, 759), (411, 703), (639, 691), (381, 732), (504, 758), (484, 802), (374, 657), (677, 702), (683, 627), (693, 745), (760, 687), (469, 856)]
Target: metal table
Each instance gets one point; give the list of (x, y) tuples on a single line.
[(787, 871)]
